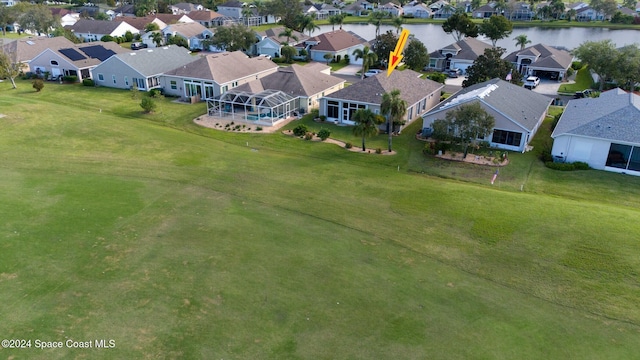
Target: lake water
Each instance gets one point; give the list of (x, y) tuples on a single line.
[(435, 38)]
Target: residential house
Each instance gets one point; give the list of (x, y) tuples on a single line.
[(244, 13), (141, 69), (77, 60), (518, 112), (309, 83), (417, 10), (185, 8), (590, 14), (193, 32), (214, 74), (270, 42), (67, 17), (420, 94), (7, 2), (519, 11), (459, 55), (542, 60), (125, 10), (320, 11), (485, 11), (338, 42), (94, 30), (604, 132), (209, 19), (87, 11), (391, 8), (358, 8), (173, 19), (442, 9), (140, 23), (25, 49), (231, 8)]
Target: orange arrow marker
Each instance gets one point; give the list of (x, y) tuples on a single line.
[(396, 55)]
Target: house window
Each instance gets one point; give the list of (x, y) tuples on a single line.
[(209, 91), (224, 89), (174, 85), (350, 109), (114, 78), (139, 83), (126, 81), (234, 84), (506, 137), (624, 157), (53, 62), (333, 109), (192, 88), (100, 77)]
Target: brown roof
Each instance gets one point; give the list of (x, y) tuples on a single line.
[(547, 56), (224, 67), (169, 18), (138, 22), (336, 40), (295, 80), (27, 48), (467, 49), (370, 90), (204, 15)]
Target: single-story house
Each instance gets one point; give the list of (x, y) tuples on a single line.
[(520, 11), (485, 11), (208, 18), (604, 132), (184, 8), (518, 112), (459, 55), (76, 60), (25, 49), (66, 16), (214, 74), (125, 10), (94, 30), (173, 19), (142, 68), (590, 14), (338, 42), (193, 32), (420, 94), (141, 23), (309, 83), (542, 60), (358, 8), (391, 8), (417, 10), (270, 42)]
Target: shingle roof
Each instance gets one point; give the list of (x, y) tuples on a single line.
[(138, 22), (224, 67), (232, 4), (520, 105), (94, 53), (370, 90), (170, 18), (187, 30), (274, 32), (185, 6), (204, 15), (615, 115), (26, 49), (336, 40), (547, 56), (467, 49), (157, 60), (294, 80)]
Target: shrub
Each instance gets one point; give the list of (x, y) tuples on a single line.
[(323, 118), (259, 128), (107, 38), (315, 113), (578, 165), (87, 82), (338, 57), (70, 79), (576, 65), (378, 151), (148, 104), (437, 77), (38, 84), (324, 134), (429, 148), (348, 145), (154, 93), (346, 59), (570, 72), (308, 136), (300, 130)]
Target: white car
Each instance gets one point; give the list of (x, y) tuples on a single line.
[(372, 72), (532, 82)]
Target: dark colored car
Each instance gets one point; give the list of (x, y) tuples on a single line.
[(138, 46)]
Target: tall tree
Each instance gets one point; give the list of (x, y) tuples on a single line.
[(10, 67), (309, 24), (36, 18), (571, 14), (288, 52), (368, 58), (157, 38), (247, 13), (376, 18), (7, 16), (337, 19), (490, 65), (383, 45), (366, 125), (394, 108), (470, 123), (630, 4), (557, 8), (628, 66), (416, 56), (600, 56), (232, 38), (287, 10), (496, 28), (460, 25), (288, 33), (522, 41), (609, 8), (397, 23)]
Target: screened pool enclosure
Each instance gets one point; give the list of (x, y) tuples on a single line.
[(266, 107)]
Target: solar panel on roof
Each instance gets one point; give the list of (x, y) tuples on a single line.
[(97, 52), (72, 54)]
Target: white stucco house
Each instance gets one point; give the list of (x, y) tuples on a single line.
[(604, 132), (338, 42)]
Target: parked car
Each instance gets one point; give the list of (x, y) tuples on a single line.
[(454, 73), (372, 72), (265, 56), (583, 94), (138, 46), (532, 82)]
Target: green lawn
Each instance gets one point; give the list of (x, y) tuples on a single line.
[(182, 242), (583, 81)]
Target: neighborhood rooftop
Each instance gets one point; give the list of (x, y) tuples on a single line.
[(294, 80)]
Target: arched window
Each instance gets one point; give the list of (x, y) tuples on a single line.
[(53, 62)]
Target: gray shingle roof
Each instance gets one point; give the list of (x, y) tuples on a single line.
[(274, 32), (520, 105), (95, 26), (615, 115), (548, 57), (157, 60), (467, 49), (370, 90), (223, 67), (294, 80)]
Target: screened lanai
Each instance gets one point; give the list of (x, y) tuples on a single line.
[(266, 107)]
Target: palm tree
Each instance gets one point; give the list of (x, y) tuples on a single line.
[(335, 20), (376, 18), (397, 22), (368, 58), (522, 41), (247, 13), (288, 33), (366, 124), (328, 57), (571, 14), (394, 107), (310, 25), (157, 38)]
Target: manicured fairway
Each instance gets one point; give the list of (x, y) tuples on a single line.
[(181, 242)]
